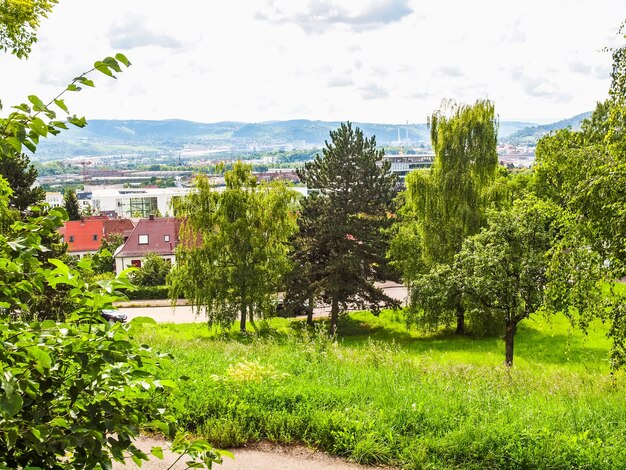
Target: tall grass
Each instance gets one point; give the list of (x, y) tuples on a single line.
[(382, 394)]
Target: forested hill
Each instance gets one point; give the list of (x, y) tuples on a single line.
[(151, 138), (531, 134)]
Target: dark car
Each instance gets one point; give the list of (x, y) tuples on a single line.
[(114, 316)]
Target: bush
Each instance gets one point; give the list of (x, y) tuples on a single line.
[(149, 293), (72, 394)]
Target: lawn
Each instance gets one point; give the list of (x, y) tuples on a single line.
[(382, 394)]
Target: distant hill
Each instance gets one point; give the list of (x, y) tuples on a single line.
[(531, 135), (144, 138)]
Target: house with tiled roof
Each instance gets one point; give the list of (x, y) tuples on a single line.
[(157, 235), (85, 236)]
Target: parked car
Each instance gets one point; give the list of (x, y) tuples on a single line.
[(114, 316)]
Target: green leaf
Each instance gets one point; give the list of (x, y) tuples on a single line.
[(41, 357), (39, 126), (30, 146), (37, 103), (61, 104), (15, 143), (157, 452), (72, 87), (143, 321), (112, 63), (10, 405), (85, 81), (122, 58), (103, 68)]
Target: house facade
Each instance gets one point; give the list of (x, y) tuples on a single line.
[(158, 235), (85, 236)]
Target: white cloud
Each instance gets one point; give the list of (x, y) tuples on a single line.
[(368, 61), (320, 15)]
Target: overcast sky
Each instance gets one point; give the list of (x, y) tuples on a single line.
[(364, 60)]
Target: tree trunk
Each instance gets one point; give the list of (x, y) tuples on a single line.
[(242, 319), (251, 317), (309, 311), (460, 320), (509, 338), (334, 316)]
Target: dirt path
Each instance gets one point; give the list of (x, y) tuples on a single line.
[(262, 456)]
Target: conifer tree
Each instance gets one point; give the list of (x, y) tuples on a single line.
[(70, 202), (21, 175), (341, 226)]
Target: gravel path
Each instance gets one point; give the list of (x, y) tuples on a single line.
[(262, 456)]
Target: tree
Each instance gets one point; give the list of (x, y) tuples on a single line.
[(343, 225), (21, 176), (234, 246), (70, 202), (103, 261), (66, 388), (19, 20), (584, 172), (448, 203), (153, 272), (503, 269)]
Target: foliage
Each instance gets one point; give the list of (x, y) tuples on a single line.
[(153, 272), (341, 241), (21, 175), (447, 203), (234, 245), (19, 20), (386, 395), (585, 173), (502, 270), (74, 394), (103, 261), (149, 293), (70, 202)]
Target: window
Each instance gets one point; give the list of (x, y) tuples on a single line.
[(166, 238), (135, 263), (95, 237), (71, 238), (143, 239)]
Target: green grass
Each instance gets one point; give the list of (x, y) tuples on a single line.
[(382, 394)]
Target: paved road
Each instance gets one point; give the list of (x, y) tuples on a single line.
[(163, 313)]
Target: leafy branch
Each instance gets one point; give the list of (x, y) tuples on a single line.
[(24, 127)]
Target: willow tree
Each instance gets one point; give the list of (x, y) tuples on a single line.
[(234, 246), (448, 203)]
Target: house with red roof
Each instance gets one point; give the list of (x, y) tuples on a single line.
[(157, 235), (85, 236)]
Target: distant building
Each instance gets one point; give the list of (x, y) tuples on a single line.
[(401, 165), (133, 202), (159, 235), (54, 199), (85, 236)]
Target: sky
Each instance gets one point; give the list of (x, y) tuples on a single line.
[(385, 61)]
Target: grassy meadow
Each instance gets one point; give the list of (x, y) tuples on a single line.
[(382, 394)]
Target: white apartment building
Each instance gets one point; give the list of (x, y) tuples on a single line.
[(136, 202), (54, 199), (401, 165)]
